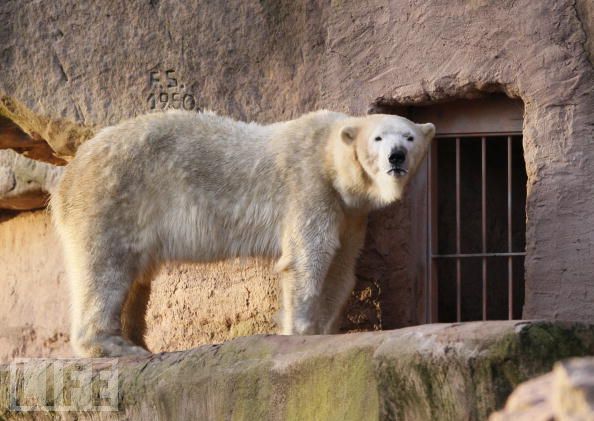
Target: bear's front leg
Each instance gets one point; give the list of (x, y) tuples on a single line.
[(309, 246), (340, 280)]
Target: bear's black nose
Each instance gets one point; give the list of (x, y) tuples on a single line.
[(397, 157)]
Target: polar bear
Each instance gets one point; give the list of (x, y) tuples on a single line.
[(200, 187)]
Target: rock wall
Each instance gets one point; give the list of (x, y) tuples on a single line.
[(34, 297), (70, 67), (191, 305)]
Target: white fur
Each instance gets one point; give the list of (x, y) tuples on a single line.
[(200, 187)]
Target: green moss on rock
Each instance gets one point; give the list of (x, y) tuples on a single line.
[(469, 379), (346, 379)]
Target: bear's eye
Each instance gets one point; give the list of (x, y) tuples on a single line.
[(377, 139), (410, 138)]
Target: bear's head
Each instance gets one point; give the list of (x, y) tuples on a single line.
[(383, 152)]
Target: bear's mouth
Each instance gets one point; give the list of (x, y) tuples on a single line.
[(397, 171)]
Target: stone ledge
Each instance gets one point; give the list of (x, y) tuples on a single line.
[(440, 371), (24, 183), (39, 137)]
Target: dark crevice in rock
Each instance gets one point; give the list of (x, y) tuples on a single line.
[(61, 68), (584, 12), (12, 137), (442, 90), (7, 214)]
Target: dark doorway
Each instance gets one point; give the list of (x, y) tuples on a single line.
[(479, 232)]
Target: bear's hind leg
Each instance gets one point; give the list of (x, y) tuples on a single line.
[(134, 311), (98, 291)]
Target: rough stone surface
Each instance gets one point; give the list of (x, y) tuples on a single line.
[(24, 183), (36, 136), (191, 305), (585, 14), (80, 64), (12, 137), (567, 393), (33, 294), (462, 371), (573, 390), (529, 402)]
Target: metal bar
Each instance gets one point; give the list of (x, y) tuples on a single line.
[(434, 232), (510, 281), (477, 134), (462, 255), (458, 251), (484, 219), (428, 287)]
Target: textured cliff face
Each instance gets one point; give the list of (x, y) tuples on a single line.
[(95, 64), (198, 304), (34, 298)]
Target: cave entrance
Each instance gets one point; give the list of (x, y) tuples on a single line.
[(467, 207)]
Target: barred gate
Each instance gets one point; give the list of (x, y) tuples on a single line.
[(476, 227)]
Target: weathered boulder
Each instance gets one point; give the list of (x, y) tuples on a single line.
[(567, 393), (528, 402), (25, 183), (573, 389), (430, 372)]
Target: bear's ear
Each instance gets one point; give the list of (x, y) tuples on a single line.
[(348, 134), (428, 129)]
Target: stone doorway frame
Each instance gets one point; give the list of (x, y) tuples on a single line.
[(493, 115)]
